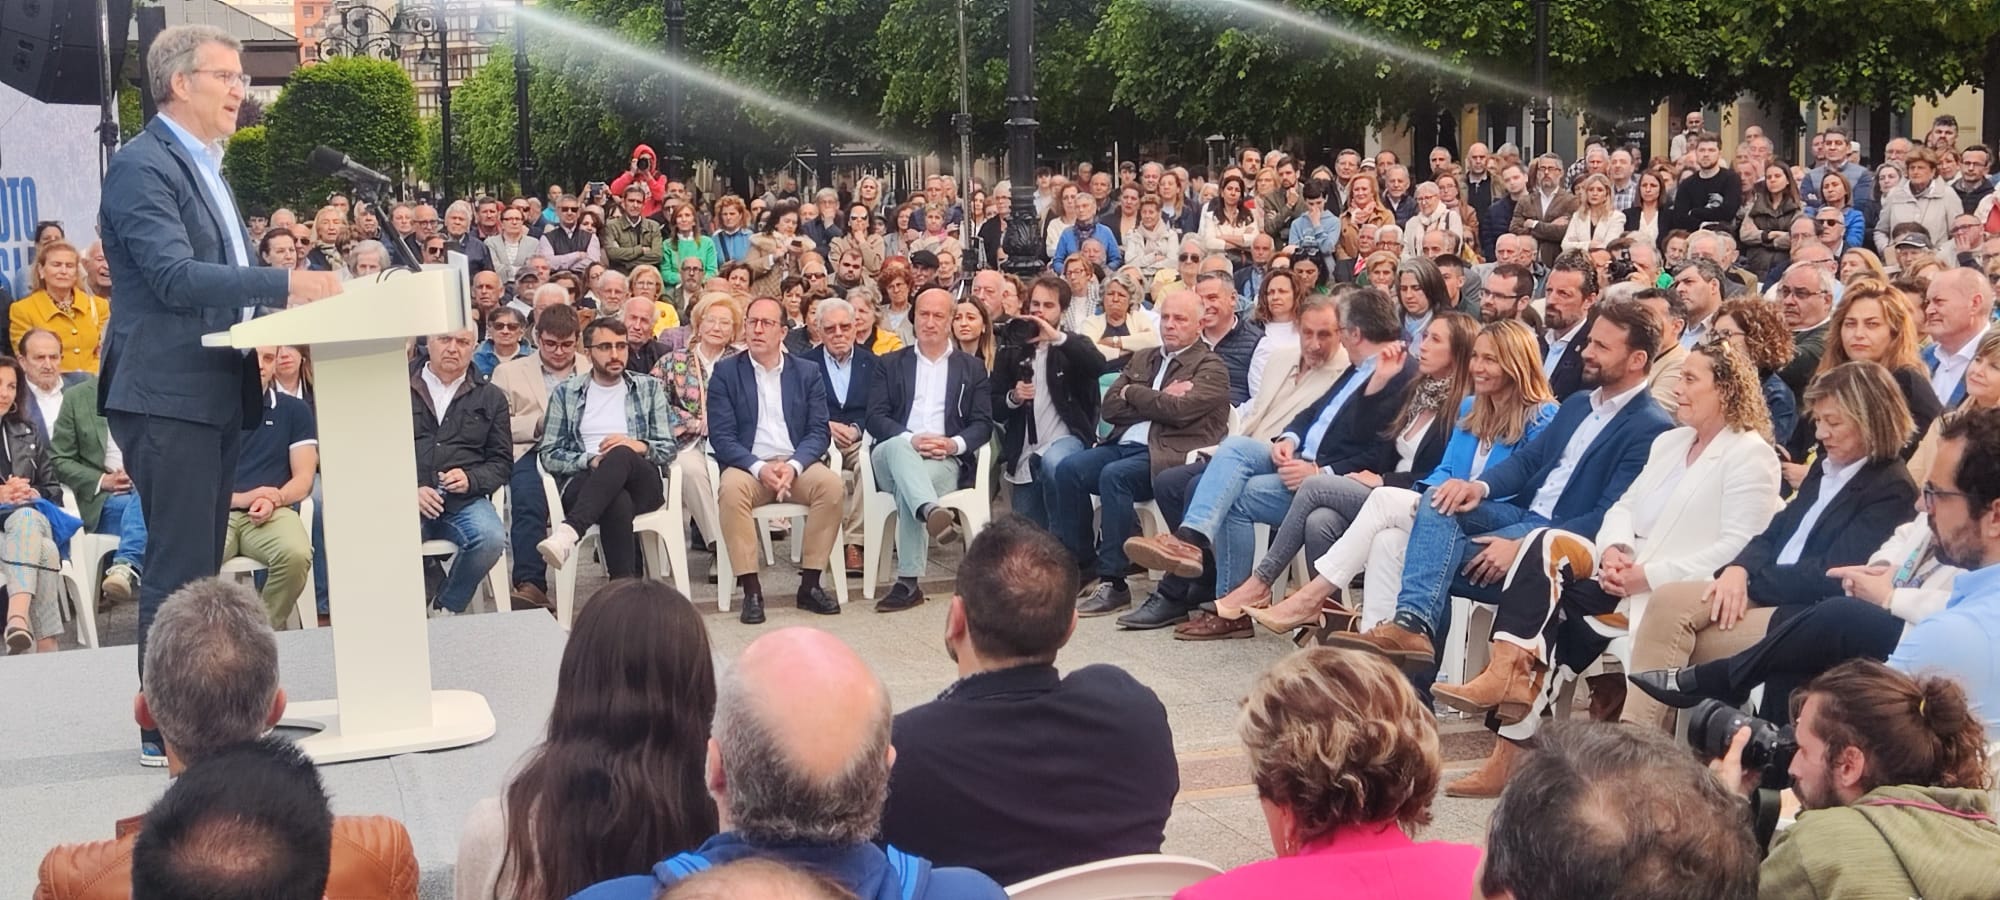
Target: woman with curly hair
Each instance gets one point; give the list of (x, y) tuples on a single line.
[(1708, 487), (1755, 330), (1345, 758)]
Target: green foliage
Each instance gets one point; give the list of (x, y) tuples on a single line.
[(1857, 52), (367, 108), (131, 115), (246, 165)]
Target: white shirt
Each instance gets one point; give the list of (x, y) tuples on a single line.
[(1558, 346), (1602, 410), (1138, 434), (772, 440), (1048, 423), (1951, 368), (1832, 479), (49, 402), (441, 393), (114, 457), (603, 414), (927, 400)]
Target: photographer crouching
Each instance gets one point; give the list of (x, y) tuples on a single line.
[(1890, 772)]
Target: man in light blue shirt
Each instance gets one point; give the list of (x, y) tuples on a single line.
[(1962, 498)]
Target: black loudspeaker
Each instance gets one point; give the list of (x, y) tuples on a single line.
[(49, 48)]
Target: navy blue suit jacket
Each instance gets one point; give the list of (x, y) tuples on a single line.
[(1567, 380), (1930, 354), (1606, 469), (733, 412), (1354, 440), (968, 408), (860, 381), (169, 255)]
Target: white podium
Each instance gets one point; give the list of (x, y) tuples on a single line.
[(383, 702)]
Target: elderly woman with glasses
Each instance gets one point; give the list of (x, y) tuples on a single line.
[(506, 333)]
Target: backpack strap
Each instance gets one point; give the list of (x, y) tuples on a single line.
[(912, 872), (686, 864)]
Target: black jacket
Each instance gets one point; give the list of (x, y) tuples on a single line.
[(27, 455), (968, 408), (1074, 367), (476, 435), (1021, 772), (1354, 439), (1875, 501), (1567, 379), (854, 409)]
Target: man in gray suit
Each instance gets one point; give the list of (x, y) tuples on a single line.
[(178, 250)]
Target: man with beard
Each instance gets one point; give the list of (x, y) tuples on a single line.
[(1569, 309), (1545, 210)]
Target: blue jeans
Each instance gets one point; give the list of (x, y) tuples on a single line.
[(1035, 500), (1439, 546), (1263, 499), (530, 510), (1237, 461), (123, 517), (1121, 475), (476, 530)]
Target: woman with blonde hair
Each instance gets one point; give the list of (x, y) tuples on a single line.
[(1874, 323), (1855, 494), (1364, 211), (60, 304), (1708, 487), (1345, 758), (1861, 264), (1379, 272), (715, 327), (1597, 221), (1511, 403)]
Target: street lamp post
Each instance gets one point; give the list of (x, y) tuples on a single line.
[(1024, 241), (676, 21), (363, 30), (963, 123), (1541, 113), (524, 153)]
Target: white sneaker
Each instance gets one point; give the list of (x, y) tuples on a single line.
[(439, 612), (560, 544)]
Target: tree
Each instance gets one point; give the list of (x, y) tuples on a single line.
[(1855, 52), (246, 165), (366, 108)]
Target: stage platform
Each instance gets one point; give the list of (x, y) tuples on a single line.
[(69, 750)]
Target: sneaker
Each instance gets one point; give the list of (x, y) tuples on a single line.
[(1103, 600), (121, 585), (439, 612), (557, 548), (152, 756)]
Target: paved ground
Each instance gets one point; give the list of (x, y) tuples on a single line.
[(1216, 817)]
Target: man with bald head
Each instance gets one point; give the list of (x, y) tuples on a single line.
[(1958, 312), (929, 411), (798, 764)]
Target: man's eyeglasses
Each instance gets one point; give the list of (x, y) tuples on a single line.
[(548, 344), (568, 209), (435, 249), (1931, 495), (229, 77), (760, 324), (612, 347)]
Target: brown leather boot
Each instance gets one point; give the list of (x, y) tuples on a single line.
[(1409, 649), (1607, 696), (1508, 686), (1491, 776)]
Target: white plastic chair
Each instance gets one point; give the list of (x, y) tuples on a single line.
[(1466, 648), (496, 579), (1142, 877), (84, 570), (662, 537), (241, 566), (725, 577), (974, 506)]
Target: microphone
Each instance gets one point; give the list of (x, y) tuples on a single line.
[(327, 161)]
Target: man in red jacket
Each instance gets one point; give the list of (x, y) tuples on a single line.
[(643, 170)]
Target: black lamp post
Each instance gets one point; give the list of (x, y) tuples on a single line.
[(1024, 241), (1541, 113), (675, 14), (1216, 145), (363, 30), (524, 153)]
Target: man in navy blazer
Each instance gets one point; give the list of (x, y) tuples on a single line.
[(1958, 314), (767, 425), (177, 249), (848, 370), (929, 412), (1569, 312), (1566, 478)]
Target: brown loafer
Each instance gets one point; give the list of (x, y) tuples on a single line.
[(1165, 553), (1206, 626), (854, 560), (528, 596)]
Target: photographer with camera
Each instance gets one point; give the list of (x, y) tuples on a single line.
[(1891, 772), (643, 170), (1045, 395)]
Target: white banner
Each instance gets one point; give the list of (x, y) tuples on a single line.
[(48, 172)]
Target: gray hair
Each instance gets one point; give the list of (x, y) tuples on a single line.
[(832, 305), (173, 53), (1828, 285), (355, 252), (459, 206), (608, 276), (863, 293), (211, 667), (552, 289), (1621, 290), (1722, 243), (826, 194), (772, 802)]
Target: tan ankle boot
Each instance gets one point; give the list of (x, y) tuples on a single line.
[(1491, 776), (1508, 686)]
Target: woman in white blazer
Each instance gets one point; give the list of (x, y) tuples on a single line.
[(1707, 489), (1596, 222)]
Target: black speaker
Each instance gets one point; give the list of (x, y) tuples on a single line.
[(49, 48)]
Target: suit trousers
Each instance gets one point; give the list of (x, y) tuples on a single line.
[(1799, 648), (1675, 631), (183, 472), (817, 488), (915, 482), (609, 495), (851, 526)]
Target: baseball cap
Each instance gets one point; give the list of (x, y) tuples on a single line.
[(1915, 240), (923, 259)]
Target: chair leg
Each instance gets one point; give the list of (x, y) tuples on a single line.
[(798, 538), (677, 563), (835, 567), (725, 580), (872, 550)]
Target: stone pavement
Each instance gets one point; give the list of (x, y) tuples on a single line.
[(1216, 817)]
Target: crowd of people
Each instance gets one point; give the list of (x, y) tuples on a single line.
[(1743, 422)]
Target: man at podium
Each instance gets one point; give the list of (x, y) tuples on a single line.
[(177, 248)]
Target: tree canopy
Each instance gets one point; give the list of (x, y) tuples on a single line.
[(365, 107)]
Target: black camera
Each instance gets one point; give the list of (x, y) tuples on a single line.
[(1019, 332), (1712, 724), (1622, 267)]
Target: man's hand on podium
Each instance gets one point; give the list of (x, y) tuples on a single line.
[(306, 287)]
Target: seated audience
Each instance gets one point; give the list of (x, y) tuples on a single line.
[(61, 304), (464, 454), (616, 784), (606, 440), (1602, 810), (211, 685), (717, 329), (1755, 330), (848, 371), (506, 328), (1958, 315), (1569, 312), (1345, 758), (768, 431), (1855, 495), (928, 413), (528, 384), (798, 764), (1708, 488), (30, 572), (1046, 400), (249, 823), (89, 462), (273, 474), (1004, 772), (1225, 330), (1873, 323), (41, 361), (1125, 327)]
